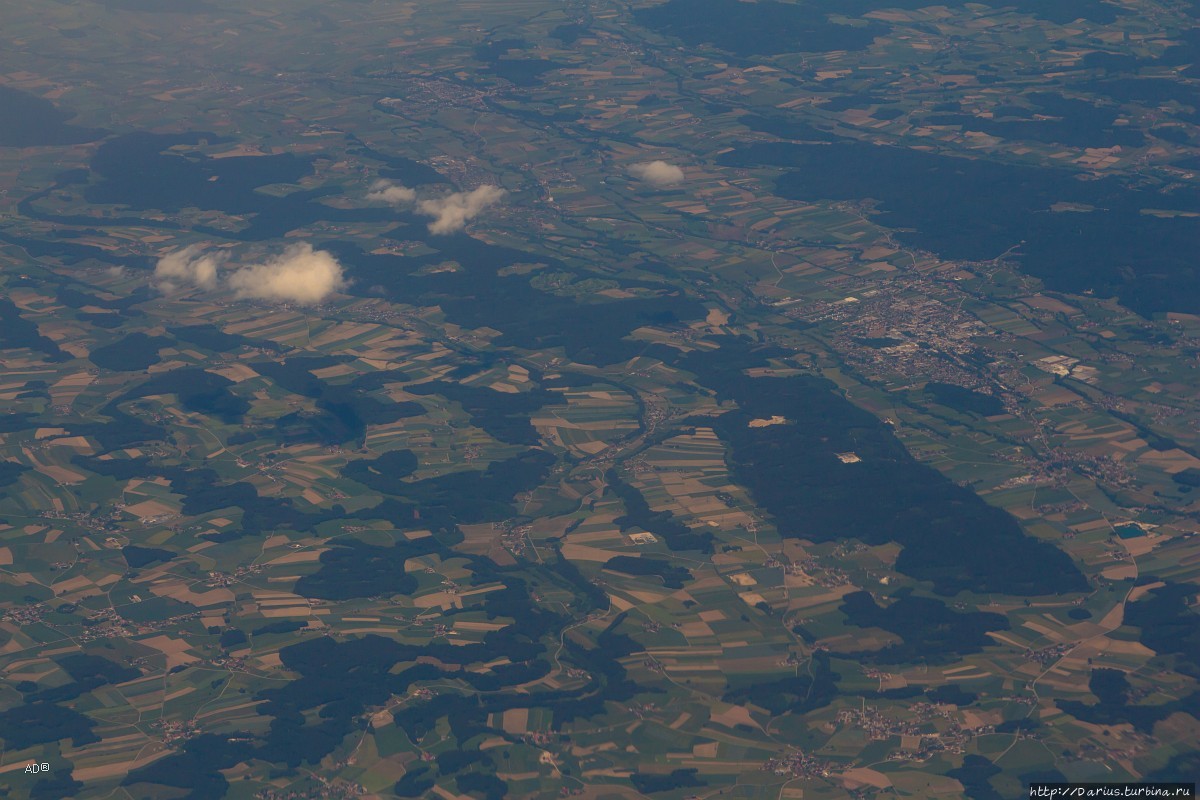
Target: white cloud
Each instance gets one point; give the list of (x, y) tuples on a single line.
[(450, 212), (385, 191), (659, 174), (297, 275), (189, 267)]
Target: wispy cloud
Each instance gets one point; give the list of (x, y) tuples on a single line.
[(298, 275), (385, 191), (659, 174), (190, 266), (450, 212)]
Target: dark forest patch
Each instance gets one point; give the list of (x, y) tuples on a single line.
[(497, 54), (27, 120), (652, 782), (1112, 689), (88, 672), (134, 353), (785, 127), (963, 399), (475, 496), (974, 775), (934, 203), (198, 391), (210, 337), (17, 332), (138, 171), (41, 722), (1169, 624), (161, 6), (932, 631), (343, 410), (797, 694), (354, 569), (282, 626), (763, 28), (135, 171), (1053, 118), (196, 767), (11, 472), (504, 415), (673, 577), (138, 557), (477, 295), (950, 536), (568, 32), (772, 28), (383, 473), (662, 524)]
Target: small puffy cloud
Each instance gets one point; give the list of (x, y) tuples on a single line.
[(659, 174), (450, 212), (190, 266), (299, 275), (385, 191)]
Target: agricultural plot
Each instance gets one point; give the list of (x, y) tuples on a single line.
[(763, 468)]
